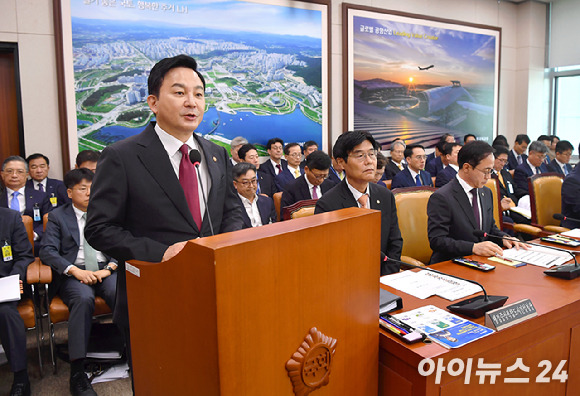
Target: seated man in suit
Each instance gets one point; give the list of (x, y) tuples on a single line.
[(12, 332), (313, 183), (81, 272), (395, 164), (570, 201), (87, 159), (413, 175), (356, 152), (24, 199), (533, 165), (266, 185), (38, 167), (380, 171), (293, 154), (449, 152), (560, 164), (439, 163), (308, 148), (547, 140), (464, 205), (235, 145), (336, 173), (517, 154), (276, 164), (259, 209)]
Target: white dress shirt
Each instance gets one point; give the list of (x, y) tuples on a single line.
[(357, 194), (252, 210), (467, 188)]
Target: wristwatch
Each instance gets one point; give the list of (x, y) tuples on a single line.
[(110, 268)]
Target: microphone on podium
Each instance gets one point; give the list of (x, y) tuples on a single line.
[(474, 307), (567, 271), (195, 158), (561, 217)]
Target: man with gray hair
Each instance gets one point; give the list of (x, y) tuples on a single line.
[(533, 165), (235, 145), (396, 163)]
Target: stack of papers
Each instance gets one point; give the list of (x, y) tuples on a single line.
[(575, 233), (113, 373), (536, 255), (10, 288), (425, 284)]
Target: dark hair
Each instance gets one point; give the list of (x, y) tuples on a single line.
[(544, 137), (442, 141), (409, 149), (244, 150), (14, 158), (502, 140), (554, 137), (273, 141), (467, 136), (500, 149), (162, 67), (473, 153), (348, 141), (87, 155), (37, 156), (75, 176), (241, 168), (564, 145), (381, 160), (318, 160), (309, 144), (289, 146), (522, 137), (448, 148)]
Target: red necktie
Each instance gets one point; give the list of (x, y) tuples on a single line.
[(279, 168), (188, 181), (314, 193)]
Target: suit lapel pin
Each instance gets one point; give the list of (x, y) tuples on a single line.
[(214, 159)]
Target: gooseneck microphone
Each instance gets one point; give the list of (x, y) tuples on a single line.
[(474, 307), (561, 217), (195, 158), (567, 271)]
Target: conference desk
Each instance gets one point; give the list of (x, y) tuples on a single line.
[(554, 335)]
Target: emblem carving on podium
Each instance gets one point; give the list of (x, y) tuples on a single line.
[(309, 367)]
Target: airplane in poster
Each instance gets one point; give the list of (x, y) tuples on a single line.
[(426, 68)]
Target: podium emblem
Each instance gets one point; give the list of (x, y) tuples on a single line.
[(309, 367)]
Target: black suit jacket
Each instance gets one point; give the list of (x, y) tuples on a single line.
[(555, 167), (265, 207), (340, 197), (13, 232), (267, 185), (513, 161), (570, 198), (138, 209), (445, 176), (333, 176), (435, 166), (391, 170), (404, 179), (521, 175), (267, 167), (285, 178), (54, 188), (451, 221), (298, 190), (509, 188)]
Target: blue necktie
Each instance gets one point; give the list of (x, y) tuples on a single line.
[(565, 170), (14, 204), (40, 187), (418, 181)]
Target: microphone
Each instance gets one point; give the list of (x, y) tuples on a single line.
[(567, 271), (474, 307), (561, 217), (195, 158)]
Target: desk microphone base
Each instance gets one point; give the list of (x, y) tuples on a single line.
[(476, 307), (568, 271)]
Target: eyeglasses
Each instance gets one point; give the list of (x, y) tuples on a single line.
[(324, 176), (17, 171), (502, 161), (246, 183), (360, 156), (420, 157), (295, 155), (82, 189), (486, 171)]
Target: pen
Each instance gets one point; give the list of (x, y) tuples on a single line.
[(390, 327)]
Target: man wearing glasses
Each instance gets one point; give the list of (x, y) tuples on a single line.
[(259, 209), (356, 152), (313, 183), (24, 199), (293, 154), (533, 165), (464, 205), (413, 175)]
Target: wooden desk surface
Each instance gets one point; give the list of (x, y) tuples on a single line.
[(553, 334)]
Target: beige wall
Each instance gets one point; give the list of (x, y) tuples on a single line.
[(522, 108)]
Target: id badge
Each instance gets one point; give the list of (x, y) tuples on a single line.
[(36, 213), (510, 188), (53, 201), (7, 252)]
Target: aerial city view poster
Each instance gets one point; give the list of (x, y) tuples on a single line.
[(418, 79), (264, 65)]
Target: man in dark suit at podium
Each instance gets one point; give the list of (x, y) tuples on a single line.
[(356, 152), (464, 205), (146, 199)]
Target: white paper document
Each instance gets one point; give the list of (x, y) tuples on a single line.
[(425, 284), (575, 233), (113, 373), (10, 288), (536, 255)]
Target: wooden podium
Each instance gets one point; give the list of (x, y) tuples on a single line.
[(226, 315)]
